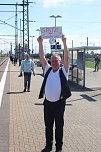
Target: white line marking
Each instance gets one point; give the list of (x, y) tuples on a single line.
[(2, 82)]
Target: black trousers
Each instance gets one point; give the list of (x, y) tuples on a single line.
[(54, 112), (27, 79), (96, 66)]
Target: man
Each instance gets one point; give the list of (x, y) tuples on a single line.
[(54, 106), (27, 66), (15, 60), (97, 62)]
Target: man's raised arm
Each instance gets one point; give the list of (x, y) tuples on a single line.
[(66, 54), (41, 52)]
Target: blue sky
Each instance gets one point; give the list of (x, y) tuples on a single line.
[(80, 19)]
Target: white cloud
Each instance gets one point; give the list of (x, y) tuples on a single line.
[(5, 42), (51, 3)]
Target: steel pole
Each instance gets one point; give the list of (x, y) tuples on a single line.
[(55, 38)]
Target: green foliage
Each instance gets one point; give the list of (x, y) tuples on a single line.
[(91, 64)]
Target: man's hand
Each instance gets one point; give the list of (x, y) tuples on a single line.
[(63, 39), (66, 53), (20, 75), (41, 52), (34, 73), (40, 39)]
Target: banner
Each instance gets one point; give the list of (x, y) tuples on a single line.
[(80, 60), (51, 32)]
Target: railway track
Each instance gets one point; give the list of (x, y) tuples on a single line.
[(3, 60)]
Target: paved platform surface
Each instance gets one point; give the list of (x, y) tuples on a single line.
[(22, 124)]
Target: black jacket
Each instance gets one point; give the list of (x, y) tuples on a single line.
[(65, 89)]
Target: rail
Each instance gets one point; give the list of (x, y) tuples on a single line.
[(2, 60)]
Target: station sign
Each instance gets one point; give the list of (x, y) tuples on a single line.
[(53, 47), (51, 32)]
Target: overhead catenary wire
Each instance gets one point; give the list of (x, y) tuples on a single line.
[(10, 25)]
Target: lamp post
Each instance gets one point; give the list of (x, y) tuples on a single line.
[(32, 42), (55, 17), (38, 30), (30, 21)]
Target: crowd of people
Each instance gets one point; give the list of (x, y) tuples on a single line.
[(13, 59)]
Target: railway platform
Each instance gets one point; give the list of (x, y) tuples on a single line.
[(22, 124)]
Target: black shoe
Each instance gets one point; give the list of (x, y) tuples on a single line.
[(58, 150), (28, 90), (46, 149), (24, 90)]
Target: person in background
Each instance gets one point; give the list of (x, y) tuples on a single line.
[(15, 60), (54, 105), (49, 61), (11, 58), (97, 62), (27, 67)]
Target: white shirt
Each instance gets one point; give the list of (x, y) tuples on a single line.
[(53, 84)]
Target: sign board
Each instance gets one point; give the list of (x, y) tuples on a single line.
[(51, 40), (56, 47), (51, 32), (80, 60)]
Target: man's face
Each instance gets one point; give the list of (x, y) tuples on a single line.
[(55, 62), (27, 57)]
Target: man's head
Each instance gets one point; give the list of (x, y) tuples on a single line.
[(55, 62), (27, 56)]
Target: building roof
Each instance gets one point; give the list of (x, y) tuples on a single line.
[(81, 48), (85, 48)]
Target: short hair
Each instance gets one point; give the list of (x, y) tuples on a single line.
[(56, 55), (27, 55)]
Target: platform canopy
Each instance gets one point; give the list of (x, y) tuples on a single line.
[(81, 48)]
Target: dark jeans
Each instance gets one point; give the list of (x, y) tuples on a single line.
[(96, 66), (27, 79), (54, 111)]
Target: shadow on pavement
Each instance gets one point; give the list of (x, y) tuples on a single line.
[(97, 95), (90, 99), (15, 92), (78, 88), (41, 104), (39, 74)]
